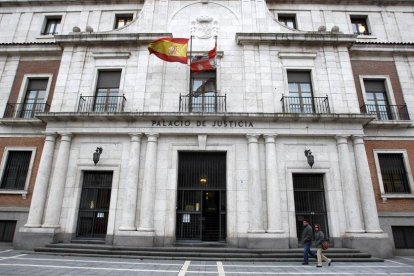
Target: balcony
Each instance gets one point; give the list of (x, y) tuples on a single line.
[(101, 104), (24, 110), (203, 103), (387, 112), (305, 105)]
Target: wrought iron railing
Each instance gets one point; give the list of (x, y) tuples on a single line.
[(24, 110), (362, 33), (305, 105), (101, 104), (203, 103), (387, 112)]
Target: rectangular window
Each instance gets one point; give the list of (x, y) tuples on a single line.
[(359, 25), (51, 26), (15, 170), (203, 97), (7, 228), (123, 19), (377, 99), (289, 20), (35, 98), (300, 92), (107, 91), (403, 237), (394, 173)]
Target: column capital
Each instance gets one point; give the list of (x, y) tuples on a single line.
[(66, 136), (152, 137), (342, 139), (50, 136), (252, 138), (269, 138), (135, 137), (358, 139)]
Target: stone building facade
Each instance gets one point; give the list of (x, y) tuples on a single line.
[(213, 156)]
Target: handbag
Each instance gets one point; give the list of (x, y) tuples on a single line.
[(325, 245)]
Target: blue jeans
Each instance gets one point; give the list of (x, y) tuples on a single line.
[(306, 251)]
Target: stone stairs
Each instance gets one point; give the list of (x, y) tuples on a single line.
[(200, 253)]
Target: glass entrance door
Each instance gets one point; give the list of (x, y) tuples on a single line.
[(310, 201), (94, 204)]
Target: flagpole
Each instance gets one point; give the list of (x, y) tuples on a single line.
[(191, 49)]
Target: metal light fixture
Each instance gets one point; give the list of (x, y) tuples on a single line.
[(96, 155), (203, 180), (310, 157)]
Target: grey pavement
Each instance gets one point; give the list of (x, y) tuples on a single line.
[(13, 262)]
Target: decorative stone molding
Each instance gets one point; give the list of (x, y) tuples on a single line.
[(204, 27)]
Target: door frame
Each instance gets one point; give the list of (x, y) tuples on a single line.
[(73, 212)]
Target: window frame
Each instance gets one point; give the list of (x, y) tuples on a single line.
[(48, 17), (5, 157), (387, 83), (410, 179), (367, 23), (123, 14), (205, 104), (286, 15)]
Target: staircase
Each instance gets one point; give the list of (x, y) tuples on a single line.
[(201, 253)]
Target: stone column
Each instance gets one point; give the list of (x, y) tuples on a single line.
[(272, 185), (37, 205), (146, 220), (255, 190), (366, 191), (351, 203), (131, 189), (57, 188)]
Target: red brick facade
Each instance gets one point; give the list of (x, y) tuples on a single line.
[(17, 200), (392, 204)]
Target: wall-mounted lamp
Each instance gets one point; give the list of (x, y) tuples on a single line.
[(310, 157), (96, 155), (203, 180)]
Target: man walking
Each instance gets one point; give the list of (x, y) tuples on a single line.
[(307, 241)]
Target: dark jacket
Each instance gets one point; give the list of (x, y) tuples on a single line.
[(307, 234), (319, 238)]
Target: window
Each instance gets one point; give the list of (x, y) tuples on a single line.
[(393, 173), (403, 236), (15, 170), (7, 228), (51, 26), (289, 20), (377, 100), (107, 91), (359, 25), (35, 98), (203, 97), (300, 92), (122, 19)]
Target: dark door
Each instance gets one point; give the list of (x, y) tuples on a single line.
[(94, 204), (201, 196), (310, 201)]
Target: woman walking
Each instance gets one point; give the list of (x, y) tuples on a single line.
[(319, 238)]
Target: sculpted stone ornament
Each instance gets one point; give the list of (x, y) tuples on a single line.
[(204, 27)]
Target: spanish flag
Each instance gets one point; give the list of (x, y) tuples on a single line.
[(170, 49)]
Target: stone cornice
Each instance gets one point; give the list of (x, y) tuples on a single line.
[(105, 38), (12, 3), (308, 38), (383, 47), (346, 2), (30, 48)]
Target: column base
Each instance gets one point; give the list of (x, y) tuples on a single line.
[(32, 225), (127, 228), (275, 231), (267, 241), (50, 226), (377, 244), (355, 231), (142, 229), (135, 238), (29, 237)]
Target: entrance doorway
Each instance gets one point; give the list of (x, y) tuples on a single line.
[(201, 196), (94, 204), (310, 202)]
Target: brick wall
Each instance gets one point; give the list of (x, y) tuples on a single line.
[(391, 205), (386, 68), (34, 67), (17, 200)]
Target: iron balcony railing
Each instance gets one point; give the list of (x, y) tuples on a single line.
[(203, 103), (387, 112), (101, 103), (24, 110), (305, 105)]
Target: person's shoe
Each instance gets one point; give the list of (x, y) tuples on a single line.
[(319, 266), (329, 263), (305, 263)]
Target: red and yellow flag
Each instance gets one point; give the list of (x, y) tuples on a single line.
[(200, 63), (170, 49)]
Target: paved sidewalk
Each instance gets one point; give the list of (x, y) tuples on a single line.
[(23, 263)]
